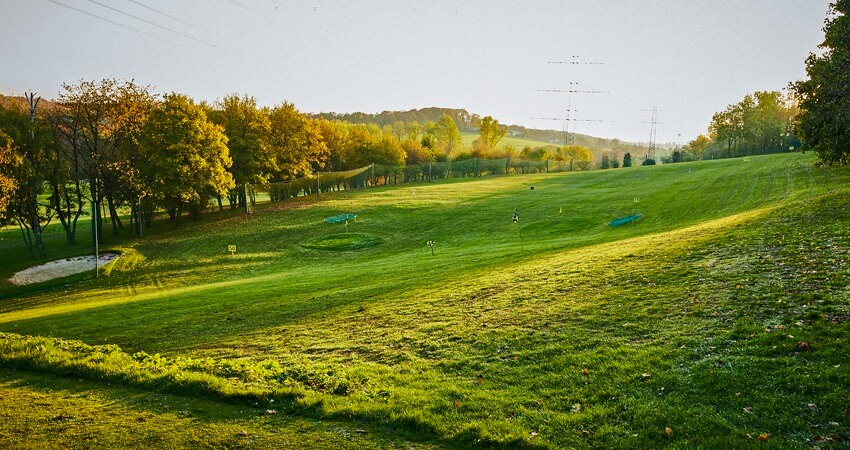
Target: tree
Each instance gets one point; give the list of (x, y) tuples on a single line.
[(825, 96), (447, 136), (24, 140), (699, 145), (184, 157), (8, 164), (295, 143), (758, 124), (676, 156), (335, 136), (606, 162), (580, 155), (627, 160), (248, 130), (101, 122), (489, 135)]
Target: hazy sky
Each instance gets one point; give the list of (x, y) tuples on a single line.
[(688, 58)]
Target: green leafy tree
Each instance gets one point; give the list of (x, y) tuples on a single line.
[(248, 130), (606, 162), (447, 136), (758, 124), (535, 154), (184, 156), (370, 145), (825, 96), (490, 132), (64, 175), (627, 160), (296, 143), (24, 140)]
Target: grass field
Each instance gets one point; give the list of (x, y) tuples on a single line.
[(516, 142), (718, 320)]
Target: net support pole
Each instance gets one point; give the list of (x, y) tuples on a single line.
[(245, 191), (95, 215)]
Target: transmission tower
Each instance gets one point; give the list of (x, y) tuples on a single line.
[(572, 88), (653, 122)]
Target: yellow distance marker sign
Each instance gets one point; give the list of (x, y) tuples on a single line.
[(231, 249)]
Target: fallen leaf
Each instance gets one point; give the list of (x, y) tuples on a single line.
[(748, 410), (584, 371), (271, 412), (576, 407), (669, 431), (763, 437)]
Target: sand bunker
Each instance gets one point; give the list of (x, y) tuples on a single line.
[(60, 268)]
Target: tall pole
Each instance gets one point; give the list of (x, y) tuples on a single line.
[(139, 220), (318, 184), (247, 209), (95, 215)]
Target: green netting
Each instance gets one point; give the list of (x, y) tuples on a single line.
[(624, 220), (320, 182), (527, 166), (339, 218), (379, 174)]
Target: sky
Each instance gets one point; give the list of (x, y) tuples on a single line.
[(687, 58)]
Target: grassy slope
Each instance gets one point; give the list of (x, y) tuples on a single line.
[(517, 142), (563, 333)]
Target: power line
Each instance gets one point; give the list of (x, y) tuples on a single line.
[(574, 91), (572, 120), (149, 22), (110, 21), (242, 6), (575, 59), (161, 12)]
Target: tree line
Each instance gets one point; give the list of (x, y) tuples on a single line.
[(761, 123), (111, 146), (812, 115)]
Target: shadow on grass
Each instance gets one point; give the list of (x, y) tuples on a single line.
[(226, 410)]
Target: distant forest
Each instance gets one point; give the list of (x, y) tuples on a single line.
[(467, 122)]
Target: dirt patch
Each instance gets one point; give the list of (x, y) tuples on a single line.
[(60, 268)]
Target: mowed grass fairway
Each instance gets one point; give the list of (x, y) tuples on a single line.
[(718, 320)]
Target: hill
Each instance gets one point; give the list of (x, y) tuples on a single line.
[(467, 124), (21, 102), (720, 319)]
